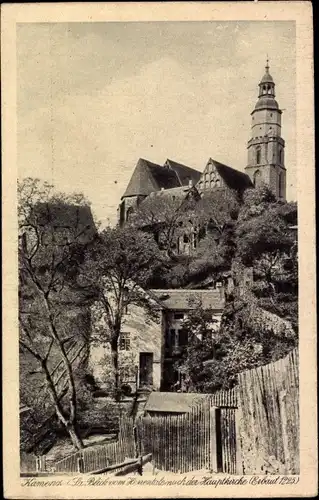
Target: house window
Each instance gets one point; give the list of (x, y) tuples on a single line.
[(125, 341), (185, 238), (179, 315)]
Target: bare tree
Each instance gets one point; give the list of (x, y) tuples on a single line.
[(52, 237), (120, 264)]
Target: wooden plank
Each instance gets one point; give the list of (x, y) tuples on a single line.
[(284, 425), (213, 442)]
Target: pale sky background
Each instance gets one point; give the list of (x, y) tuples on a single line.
[(92, 98)]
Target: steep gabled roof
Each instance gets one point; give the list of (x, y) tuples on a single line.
[(232, 178), (149, 177), (184, 173), (164, 177)]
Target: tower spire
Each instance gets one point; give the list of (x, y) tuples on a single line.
[(267, 64), (266, 146)]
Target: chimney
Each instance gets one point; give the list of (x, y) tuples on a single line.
[(190, 183)]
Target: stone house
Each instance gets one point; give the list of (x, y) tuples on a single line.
[(148, 347)]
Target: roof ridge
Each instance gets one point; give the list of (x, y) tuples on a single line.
[(181, 164)]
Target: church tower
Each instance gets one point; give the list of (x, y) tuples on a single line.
[(266, 163)]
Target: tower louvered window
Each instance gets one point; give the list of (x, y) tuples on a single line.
[(258, 155)]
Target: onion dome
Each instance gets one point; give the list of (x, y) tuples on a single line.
[(267, 102)]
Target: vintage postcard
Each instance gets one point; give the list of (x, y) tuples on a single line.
[(159, 301)]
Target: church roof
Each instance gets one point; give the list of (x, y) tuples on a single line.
[(184, 173), (149, 177), (232, 178)]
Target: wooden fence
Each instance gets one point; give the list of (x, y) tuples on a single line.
[(253, 428), (204, 438), (101, 456), (268, 398), (31, 463)]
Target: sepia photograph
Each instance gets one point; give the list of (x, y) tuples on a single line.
[(158, 258)]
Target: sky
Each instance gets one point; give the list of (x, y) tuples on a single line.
[(93, 98)]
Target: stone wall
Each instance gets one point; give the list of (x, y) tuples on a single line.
[(145, 336)]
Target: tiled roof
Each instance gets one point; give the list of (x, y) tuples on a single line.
[(141, 182), (232, 178), (185, 299), (149, 177), (164, 177), (184, 173), (172, 402)]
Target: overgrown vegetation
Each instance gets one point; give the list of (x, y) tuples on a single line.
[(65, 266), (53, 232), (119, 265), (260, 321)]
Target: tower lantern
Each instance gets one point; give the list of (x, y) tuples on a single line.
[(266, 146)]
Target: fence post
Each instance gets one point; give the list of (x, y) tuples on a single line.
[(283, 414), (213, 439), (239, 460), (80, 465)]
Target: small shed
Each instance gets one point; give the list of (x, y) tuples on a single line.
[(171, 403)]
